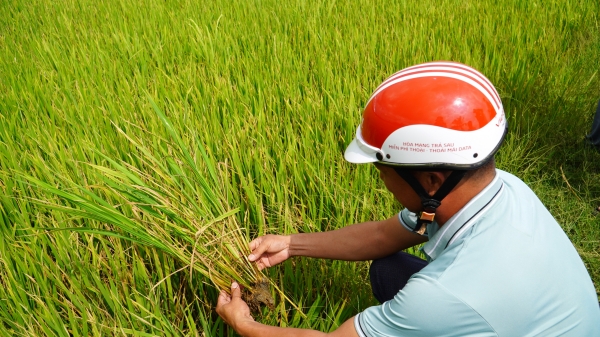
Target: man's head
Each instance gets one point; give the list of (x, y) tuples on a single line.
[(433, 124), (431, 182)]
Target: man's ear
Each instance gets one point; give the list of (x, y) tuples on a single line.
[(432, 180)]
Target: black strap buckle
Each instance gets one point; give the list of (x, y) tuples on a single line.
[(429, 203)]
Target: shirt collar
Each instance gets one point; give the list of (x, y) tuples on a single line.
[(464, 219)]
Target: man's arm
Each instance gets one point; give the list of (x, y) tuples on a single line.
[(251, 329), (235, 313), (359, 242)]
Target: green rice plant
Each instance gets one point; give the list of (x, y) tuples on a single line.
[(166, 203), (271, 94)]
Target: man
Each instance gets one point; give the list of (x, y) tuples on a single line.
[(498, 263)]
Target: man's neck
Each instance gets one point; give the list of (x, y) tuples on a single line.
[(461, 195)]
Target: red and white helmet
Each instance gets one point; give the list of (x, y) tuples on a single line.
[(433, 115)]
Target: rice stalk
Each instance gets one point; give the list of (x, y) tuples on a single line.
[(164, 203)]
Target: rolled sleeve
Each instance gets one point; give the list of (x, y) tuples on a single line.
[(358, 327), (408, 219)]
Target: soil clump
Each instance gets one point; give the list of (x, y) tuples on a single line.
[(260, 294)]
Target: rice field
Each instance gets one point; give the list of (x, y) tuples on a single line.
[(142, 144)]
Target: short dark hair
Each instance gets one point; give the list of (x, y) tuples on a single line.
[(480, 171)]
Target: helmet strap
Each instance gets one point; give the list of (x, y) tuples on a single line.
[(429, 203)]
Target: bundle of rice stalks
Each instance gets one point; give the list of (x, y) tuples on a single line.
[(167, 203)]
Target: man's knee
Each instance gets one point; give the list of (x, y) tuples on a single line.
[(391, 273)]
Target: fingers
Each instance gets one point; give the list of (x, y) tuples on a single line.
[(232, 309), (255, 243), (223, 299), (235, 291), (258, 250)]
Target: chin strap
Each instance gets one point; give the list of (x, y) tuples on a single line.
[(429, 203)]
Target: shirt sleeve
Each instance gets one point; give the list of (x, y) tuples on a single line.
[(408, 219), (422, 308)]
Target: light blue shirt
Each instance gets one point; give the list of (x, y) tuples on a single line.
[(501, 266)]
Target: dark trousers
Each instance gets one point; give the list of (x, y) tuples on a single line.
[(389, 274), (594, 136)]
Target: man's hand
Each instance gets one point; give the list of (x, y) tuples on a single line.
[(235, 312), (232, 309), (269, 250)]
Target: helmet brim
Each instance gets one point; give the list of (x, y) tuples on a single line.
[(356, 155)]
